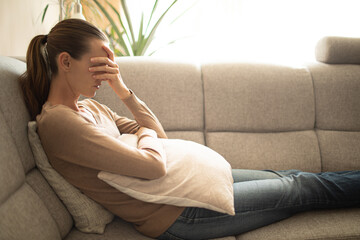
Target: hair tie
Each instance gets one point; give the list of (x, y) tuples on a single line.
[(45, 54)]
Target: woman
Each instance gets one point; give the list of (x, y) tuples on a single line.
[(78, 137)]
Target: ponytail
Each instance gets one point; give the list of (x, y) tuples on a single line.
[(35, 82)]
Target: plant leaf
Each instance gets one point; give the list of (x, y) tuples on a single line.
[(113, 24), (92, 7), (45, 10), (128, 19), (137, 46), (112, 43), (152, 12), (184, 12), (121, 22), (152, 33)]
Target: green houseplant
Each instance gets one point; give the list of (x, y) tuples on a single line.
[(123, 39)]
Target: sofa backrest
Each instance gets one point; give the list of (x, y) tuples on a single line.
[(261, 116), (257, 116), (29, 208), (337, 102), (337, 98)]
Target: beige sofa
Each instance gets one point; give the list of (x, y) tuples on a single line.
[(257, 116)]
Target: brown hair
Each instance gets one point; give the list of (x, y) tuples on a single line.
[(71, 36)]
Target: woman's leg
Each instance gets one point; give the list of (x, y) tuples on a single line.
[(262, 202), (243, 175)]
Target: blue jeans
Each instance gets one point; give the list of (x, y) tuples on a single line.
[(265, 197)]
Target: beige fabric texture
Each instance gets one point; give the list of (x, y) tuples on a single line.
[(337, 96), (340, 150), (195, 136), (182, 186), (117, 229), (320, 225), (338, 50), (88, 215), (54, 205), (12, 105), (257, 98), (11, 170), (24, 217), (266, 150)]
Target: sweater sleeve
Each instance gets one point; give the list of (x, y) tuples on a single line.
[(68, 137), (144, 117)]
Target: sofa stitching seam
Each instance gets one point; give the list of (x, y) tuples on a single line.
[(315, 127)]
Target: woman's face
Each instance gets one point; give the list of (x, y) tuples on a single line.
[(81, 78)]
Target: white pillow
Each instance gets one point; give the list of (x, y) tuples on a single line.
[(196, 176), (89, 216)]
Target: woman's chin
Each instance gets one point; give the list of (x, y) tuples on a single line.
[(89, 95)]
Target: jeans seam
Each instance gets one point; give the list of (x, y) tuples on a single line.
[(172, 235)]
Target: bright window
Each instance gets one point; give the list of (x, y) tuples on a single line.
[(275, 31)]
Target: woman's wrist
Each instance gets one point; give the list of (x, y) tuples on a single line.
[(124, 93), (121, 89)]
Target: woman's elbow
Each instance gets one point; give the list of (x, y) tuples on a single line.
[(158, 171), (157, 164)]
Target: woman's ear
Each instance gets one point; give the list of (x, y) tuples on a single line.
[(64, 61)]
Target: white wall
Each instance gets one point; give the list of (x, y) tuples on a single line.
[(20, 21)]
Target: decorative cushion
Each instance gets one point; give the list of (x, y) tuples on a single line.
[(196, 177), (89, 216)]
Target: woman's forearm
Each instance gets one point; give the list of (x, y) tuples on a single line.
[(143, 115)]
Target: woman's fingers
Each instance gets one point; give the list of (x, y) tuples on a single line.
[(104, 76), (103, 65), (103, 61), (109, 52), (105, 68)]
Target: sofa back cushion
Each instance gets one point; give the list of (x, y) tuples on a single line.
[(261, 116), (29, 208), (23, 214), (14, 109), (337, 98)]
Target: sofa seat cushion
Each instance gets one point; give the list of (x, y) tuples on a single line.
[(117, 229), (322, 224), (24, 216)]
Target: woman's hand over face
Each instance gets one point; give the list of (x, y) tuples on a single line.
[(106, 69)]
